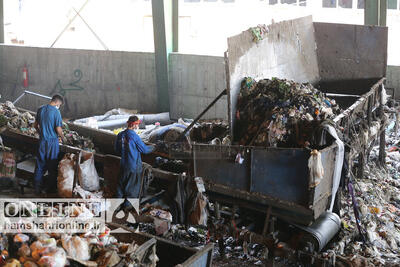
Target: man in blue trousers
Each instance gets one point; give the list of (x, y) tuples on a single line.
[(130, 146), (48, 124)]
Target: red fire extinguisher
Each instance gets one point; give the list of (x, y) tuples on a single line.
[(25, 76)]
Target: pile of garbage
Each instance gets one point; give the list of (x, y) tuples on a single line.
[(13, 119), (215, 132), (188, 236), (378, 203), (10, 117), (94, 246), (59, 250), (191, 236), (231, 249), (171, 165), (280, 113), (76, 140)]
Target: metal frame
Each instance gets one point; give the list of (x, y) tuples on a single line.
[(367, 104), (30, 93)]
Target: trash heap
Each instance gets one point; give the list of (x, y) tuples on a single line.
[(216, 131), (231, 250), (192, 236), (378, 201), (60, 250), (11, 118), (171, 165), (280, 113), (76, 140), (93, 247)]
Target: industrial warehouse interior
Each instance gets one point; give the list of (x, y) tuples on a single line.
[(199, 133)]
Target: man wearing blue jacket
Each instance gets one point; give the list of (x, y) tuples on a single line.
[(48, 124), (129, 146)]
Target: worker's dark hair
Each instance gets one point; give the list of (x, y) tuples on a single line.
[(57, 98), (132, 119)]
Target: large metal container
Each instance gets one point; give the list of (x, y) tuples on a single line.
[(276, 177), (170, 253), (302, 51)]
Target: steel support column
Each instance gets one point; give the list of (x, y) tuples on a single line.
[(175, 23), (164, 27), (375, 12), (1, 22)]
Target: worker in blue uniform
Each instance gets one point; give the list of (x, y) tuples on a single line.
[(129, 146), (48, 124)]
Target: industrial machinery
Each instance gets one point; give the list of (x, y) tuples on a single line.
[(347, 62)]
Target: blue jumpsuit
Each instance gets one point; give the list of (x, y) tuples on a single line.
[(129, 146), (48, 118)]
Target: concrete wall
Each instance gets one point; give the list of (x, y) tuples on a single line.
[(195, 81), (111, 79), (108, 79), (393, 80)]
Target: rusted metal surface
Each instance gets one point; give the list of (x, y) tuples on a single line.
[(172, 254), (279, 176), (104, 141), (267, 217), (367, 107), (110, 163), (202, 258), (361, 105), (258, 202)]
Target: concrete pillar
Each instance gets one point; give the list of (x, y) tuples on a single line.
[(375, 12), (165, 27), (175, 25), (1, 22), (354, 4)]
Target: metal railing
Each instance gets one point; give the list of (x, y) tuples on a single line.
[(30, 93)]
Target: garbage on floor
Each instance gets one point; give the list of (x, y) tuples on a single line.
[(377, 196), (280, 113), (59, 250), (13, 119)]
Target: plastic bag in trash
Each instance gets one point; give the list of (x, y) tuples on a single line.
[(198, 214), (30, 264), (162, 214), (88, 177), (24, 251), (12, 263), (56, 258), (21, 238), (108, 258), (316, 168), (8, 166), (66, 171), (76, 247)]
